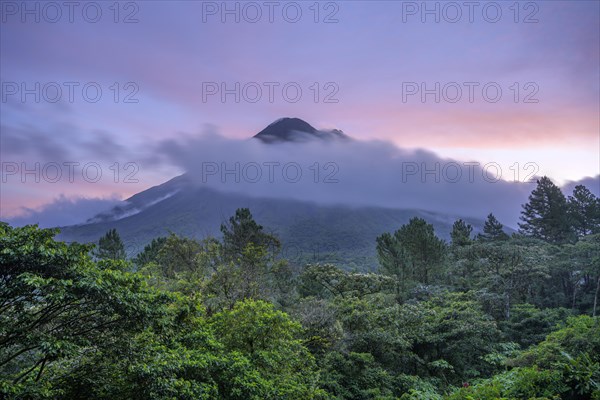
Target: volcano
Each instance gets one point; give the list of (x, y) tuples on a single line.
[(309, 232), (296, 130)]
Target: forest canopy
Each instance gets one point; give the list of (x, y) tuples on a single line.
[(487, 316)]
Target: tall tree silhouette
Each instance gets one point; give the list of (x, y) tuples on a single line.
[(110, 247), (492, 230), (545, 215), (584, 211), (461, 233)]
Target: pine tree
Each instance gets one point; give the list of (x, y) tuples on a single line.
[(425, 250), (243, 230), (150, 252), (584, 211), (545, 215), (461, 233), (492, 230), (110, 247), (394, 261)]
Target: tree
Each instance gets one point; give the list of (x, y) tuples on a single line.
[(425, 250), (511, 272), (254, 275), (246, 267), (529, 325), (150, 252), (110, 247), (413, 254), (242, 230), (179, 255), (329, 281), (584, 211), (71, 328), (444, 338), (492, 230), (545, 215), (356, 376), (454, 336), (461, 233), (574, 352), (582, 263), (57, 306), (394, 261), (247, 279), (271, 341)]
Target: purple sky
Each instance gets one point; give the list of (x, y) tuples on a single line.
[(367, 61)]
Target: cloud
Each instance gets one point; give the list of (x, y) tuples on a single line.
[(64, 211), (59, 142), (592, 183), (355, 172), (358, 173)]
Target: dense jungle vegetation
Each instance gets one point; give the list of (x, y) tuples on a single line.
[(490, 316)]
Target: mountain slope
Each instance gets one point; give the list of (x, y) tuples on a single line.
[(309, 232)]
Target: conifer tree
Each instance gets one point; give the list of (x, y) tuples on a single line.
[(461, 233), (584, 211), (243, 230), (110, 247), (492, 230), (425, 250), (545, 215)]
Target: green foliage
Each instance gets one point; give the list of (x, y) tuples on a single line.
[(580, 335), (72, 329), (492, 318), (529, 325), (425, 250), (243, 230), (492, 230), (321, 329), (564, 366), (582, 374), (179, 255), (412, 255), (461, 233), (356, 376), (576, 273), (519, 383), (150, 252), (503, 272), (443, 339), (270, 340), (110, 247), (458, 334), (255, 274), (545, 215), (57, 306), (584, 211), (394, 261), (327, 281)]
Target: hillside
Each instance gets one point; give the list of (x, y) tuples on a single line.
[(309, 232)]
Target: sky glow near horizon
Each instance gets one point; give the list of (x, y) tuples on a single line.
[(358, 67)]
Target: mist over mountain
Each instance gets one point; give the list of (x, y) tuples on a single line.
[(293, 160), (325, 195)]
